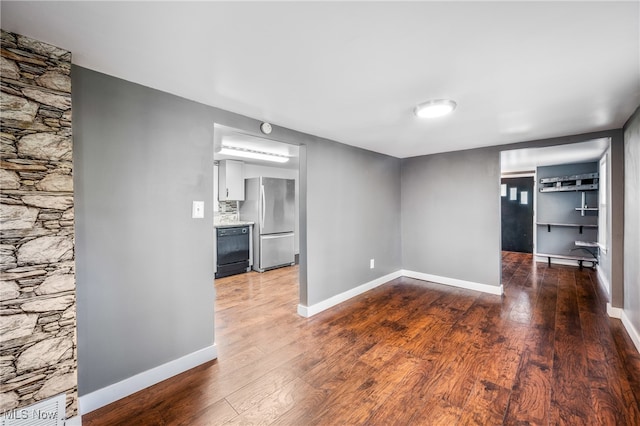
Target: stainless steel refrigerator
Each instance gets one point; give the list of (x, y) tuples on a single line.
[(270, 204)]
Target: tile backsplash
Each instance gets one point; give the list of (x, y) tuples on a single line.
[(228, 207), (227, 212)]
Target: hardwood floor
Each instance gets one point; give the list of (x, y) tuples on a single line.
[(407, 352)]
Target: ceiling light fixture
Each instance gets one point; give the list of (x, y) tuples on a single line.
[(434, 108), (256, 155)]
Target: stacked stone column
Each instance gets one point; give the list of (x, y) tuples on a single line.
[(37, 273)]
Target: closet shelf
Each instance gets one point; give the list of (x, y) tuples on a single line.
[(582, 182), (586, 244), (571, 225), (566, 225)]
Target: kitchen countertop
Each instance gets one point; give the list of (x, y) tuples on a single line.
[(232, 224)]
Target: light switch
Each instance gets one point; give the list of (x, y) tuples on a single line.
[(197, 212)]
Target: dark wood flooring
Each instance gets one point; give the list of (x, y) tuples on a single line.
[(406, 353)]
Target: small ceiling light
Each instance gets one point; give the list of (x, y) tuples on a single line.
[(256, 155), (434, 108), (265, 128)]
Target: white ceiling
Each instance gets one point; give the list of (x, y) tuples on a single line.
[(353, 71), (527, 159)]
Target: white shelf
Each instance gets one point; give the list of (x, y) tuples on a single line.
[(586, 244), (570, 225), (565, 225), (583, 182)]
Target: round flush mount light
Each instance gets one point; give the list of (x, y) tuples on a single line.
[(265, 128), (434, 108)]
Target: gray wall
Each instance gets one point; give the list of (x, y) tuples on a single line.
[(145, 294), (451, 215), (451, 211), (142, 156), (145, 268), (632, 220), (353, 213), (559, 207)]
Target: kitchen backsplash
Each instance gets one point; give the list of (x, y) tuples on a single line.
[(227, 212), (228, 207)]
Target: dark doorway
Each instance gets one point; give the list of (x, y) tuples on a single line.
[(517, 214)]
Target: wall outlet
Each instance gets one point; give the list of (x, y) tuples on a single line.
[(197, 211), (372, 263)]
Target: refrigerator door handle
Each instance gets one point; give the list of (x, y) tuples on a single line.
[(276, 236), (262, 207)]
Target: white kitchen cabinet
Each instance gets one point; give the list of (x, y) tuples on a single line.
[(231, 180)]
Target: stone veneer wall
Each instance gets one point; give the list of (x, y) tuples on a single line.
[(37, 274)]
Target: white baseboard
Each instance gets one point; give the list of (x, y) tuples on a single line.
[(454, 282), (309, 311), (633, 333), (631, 330), (614, 312), (126, 387), (604, 282)]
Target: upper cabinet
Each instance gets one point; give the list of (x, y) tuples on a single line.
[(231, 180)]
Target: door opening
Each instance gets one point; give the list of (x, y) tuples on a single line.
[(517, 213), (279, 168)]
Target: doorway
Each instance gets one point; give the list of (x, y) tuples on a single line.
[(517, 213), (263, 158), (534, 163)]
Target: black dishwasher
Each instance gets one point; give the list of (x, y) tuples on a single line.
[(232, 251)]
